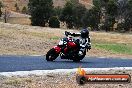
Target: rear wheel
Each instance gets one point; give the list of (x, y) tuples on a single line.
[(81, 57), (51, 55), (78, 58)]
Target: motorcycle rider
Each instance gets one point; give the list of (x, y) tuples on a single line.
[(84, 40)]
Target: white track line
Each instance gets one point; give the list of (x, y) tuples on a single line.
[(58, 71)]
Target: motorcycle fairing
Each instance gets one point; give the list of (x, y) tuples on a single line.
[(57, 49)]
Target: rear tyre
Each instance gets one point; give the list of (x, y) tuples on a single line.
[(78, 58), (81, 57), (51, 55)]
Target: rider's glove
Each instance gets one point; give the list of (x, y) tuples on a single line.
[(67, 33), (73, 34)]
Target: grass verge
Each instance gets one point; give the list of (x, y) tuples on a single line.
[(115, 48), (55, 38)]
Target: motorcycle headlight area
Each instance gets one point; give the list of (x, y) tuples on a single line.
[(62, 42)]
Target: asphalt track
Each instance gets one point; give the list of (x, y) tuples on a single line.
[(29, 63)]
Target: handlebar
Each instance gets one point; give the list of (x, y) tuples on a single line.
[(67, 33)]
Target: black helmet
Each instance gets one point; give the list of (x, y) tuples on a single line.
[(84, 33)]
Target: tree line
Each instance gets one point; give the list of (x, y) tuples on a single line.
[(24, 9), (0, 8), (113, 12), (43, 12), (108, 15)]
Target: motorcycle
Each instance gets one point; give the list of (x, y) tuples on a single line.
[(68, 48)]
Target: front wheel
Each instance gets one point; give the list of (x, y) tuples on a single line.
[(51, 55)]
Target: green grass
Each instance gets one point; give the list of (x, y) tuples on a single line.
[(115, 48), (55, 38)]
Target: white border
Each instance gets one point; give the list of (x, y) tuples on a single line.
[(59, 71)]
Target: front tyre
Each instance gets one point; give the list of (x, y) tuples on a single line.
[(51, 55)]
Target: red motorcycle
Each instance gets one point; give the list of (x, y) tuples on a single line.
[(67, 48)]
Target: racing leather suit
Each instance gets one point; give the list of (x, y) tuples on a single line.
[(85, 43)]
